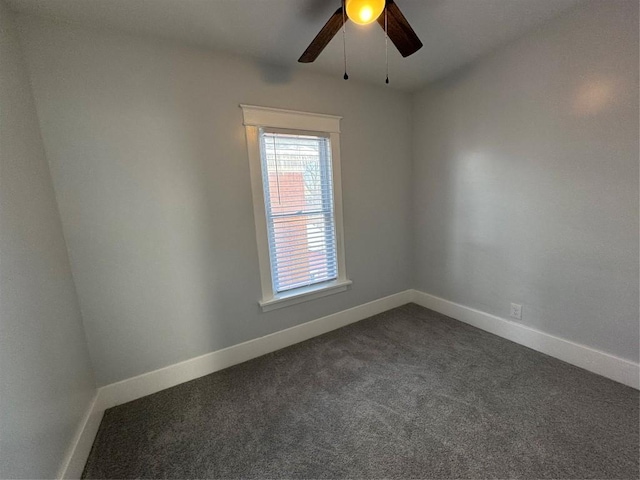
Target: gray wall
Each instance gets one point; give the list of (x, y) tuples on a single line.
[(525, 171), (148, 156), (526, 180), (46, 383)]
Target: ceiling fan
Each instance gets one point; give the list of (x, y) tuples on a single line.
[(364, 12)]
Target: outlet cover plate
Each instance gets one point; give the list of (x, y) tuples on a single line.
[(516, 311)]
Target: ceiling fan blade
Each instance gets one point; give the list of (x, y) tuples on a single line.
[(399, 30), (323, 38)]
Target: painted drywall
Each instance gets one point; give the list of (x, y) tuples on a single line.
[(526, 180), (46, 383), (150, 166)]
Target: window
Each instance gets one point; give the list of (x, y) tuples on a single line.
[(298, 193), (295, 171)]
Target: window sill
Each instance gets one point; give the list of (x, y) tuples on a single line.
[(304, 294)]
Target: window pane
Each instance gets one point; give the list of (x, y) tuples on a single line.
[(298, 191)]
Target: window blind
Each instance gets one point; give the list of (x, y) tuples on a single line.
[(298, 192)]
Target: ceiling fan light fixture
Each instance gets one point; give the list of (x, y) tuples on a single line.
[(364, 12), (395, 26)]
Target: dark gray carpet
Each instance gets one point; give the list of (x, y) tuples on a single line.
[(409, 393)]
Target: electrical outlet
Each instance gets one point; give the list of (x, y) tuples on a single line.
[(516, 311)]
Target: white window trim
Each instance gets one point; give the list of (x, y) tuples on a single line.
[(254, 118)]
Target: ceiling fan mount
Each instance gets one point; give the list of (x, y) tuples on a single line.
[(397, 27)]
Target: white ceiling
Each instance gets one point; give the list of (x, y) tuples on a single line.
[(454, 32)]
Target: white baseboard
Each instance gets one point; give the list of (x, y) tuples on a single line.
[(152, 382), (133, 388), (80, 448), (595, 361), (157, 380)]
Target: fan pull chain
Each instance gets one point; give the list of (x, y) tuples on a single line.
[(386, 45), (344, 40)]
